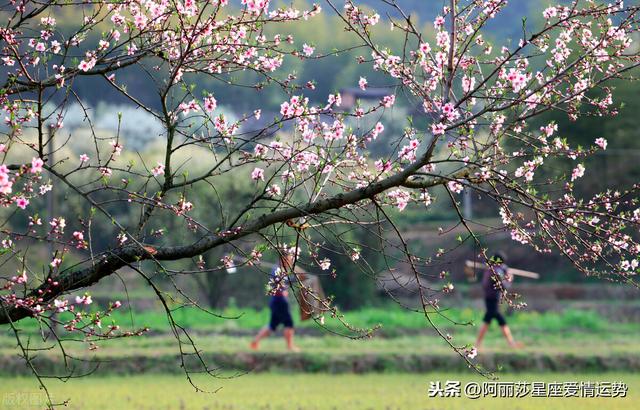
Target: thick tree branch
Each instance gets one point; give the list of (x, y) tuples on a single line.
[(120, 257)]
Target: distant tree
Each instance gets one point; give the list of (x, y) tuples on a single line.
[(310, 167)]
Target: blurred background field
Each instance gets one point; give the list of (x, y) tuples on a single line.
[(311, 392), (569, 340)]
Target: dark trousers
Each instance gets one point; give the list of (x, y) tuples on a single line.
[(493, 311), (280, 313)]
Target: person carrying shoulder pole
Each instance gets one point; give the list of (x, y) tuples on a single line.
[(279, 303), (493, 282)]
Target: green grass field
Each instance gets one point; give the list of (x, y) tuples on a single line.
[(298, 392), (399, 363), (571, 340), (401, 331), (391, 319), (420, 344)]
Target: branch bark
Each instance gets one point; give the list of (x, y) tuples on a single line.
[(117, 258)]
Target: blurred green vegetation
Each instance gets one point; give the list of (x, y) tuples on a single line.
[(390, 318), (310, 392), (553, 341)]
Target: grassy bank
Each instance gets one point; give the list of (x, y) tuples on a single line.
[(544, 351), (572, 340), (391, 319)]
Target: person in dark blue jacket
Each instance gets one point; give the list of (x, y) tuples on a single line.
[(494, 281), (279, 304)]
